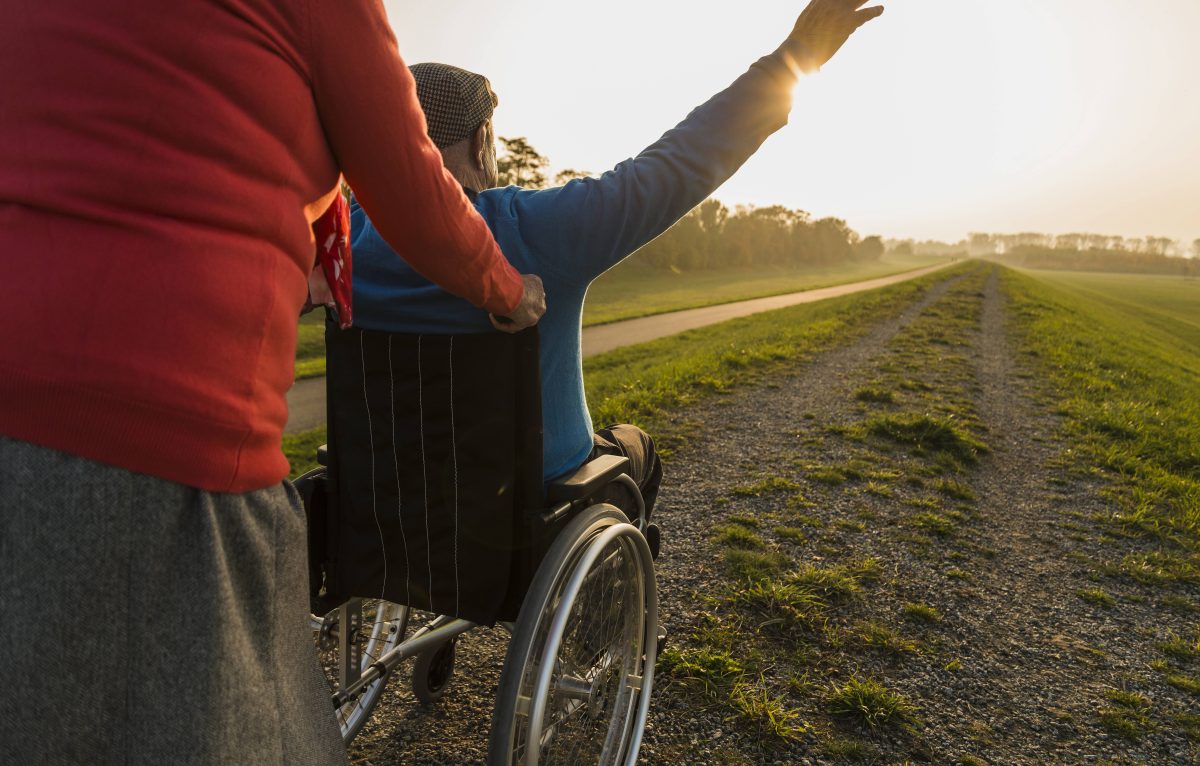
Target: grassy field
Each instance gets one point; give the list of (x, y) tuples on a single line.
[(649, 384), (1123, 355), (1123, 362), (1170, 305), (633, 290)]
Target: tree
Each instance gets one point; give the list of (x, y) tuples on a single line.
[(870, 249), (1196, 249), (564, 177), (981, 245), (521, 164)]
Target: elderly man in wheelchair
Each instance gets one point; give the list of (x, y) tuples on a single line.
[(463, 478)]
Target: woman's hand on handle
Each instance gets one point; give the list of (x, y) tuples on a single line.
[(530, 310)]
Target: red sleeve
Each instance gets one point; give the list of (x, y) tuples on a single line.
[(368, 105)]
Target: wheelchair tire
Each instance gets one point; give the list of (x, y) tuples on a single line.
[(579, 671), (432, 672)]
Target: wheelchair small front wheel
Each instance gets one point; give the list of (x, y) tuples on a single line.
[(380, 628), (433, 671)]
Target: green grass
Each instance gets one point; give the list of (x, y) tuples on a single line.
[(956, 489), (1189, 684), (835, 583), (748, 565), (710, 668), (1169, 303), (875, 395), (310, 345), (869, 702), (933, 523), (1124, 359), (789, 601), (922, 613), (1189, 723), (738, 536), (792, 534), (1181, 649), (301, 449), (1097, 597), (928, 433), (765, 712), (1128, 715), (760, 488), (876, 635)]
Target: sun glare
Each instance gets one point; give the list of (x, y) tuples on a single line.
[(939, 118)]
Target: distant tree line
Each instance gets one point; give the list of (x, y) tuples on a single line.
[(999, 244), (1069, 252), (713, 236), (1092, 259)]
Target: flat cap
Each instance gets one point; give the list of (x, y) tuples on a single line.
[(456, 102)]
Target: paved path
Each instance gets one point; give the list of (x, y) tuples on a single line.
[(306, 400)]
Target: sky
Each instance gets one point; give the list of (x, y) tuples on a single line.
[(941, 118)]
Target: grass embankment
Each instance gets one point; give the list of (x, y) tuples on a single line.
[(1169, 304), (816, 614), (1124, 362), (651, 383), (634, 290), (1124, 367)]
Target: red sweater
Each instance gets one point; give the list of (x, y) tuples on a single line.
[(160, 164)]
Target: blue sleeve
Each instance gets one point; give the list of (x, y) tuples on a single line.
[(582, 229)]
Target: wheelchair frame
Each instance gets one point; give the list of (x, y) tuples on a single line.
[(556, 677)]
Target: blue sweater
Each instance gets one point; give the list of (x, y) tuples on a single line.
[(574, 233)]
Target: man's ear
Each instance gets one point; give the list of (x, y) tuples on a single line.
[(479, 145)]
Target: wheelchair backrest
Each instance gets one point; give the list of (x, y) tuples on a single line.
[(435, 468)]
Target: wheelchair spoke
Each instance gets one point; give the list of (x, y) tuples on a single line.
[(588, 717)]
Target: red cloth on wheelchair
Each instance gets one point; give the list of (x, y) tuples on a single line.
[(424, 510)]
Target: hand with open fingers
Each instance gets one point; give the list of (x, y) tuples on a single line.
[(530, 309), (824, 27)]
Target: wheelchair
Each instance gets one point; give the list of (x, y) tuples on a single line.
[(429, 497)]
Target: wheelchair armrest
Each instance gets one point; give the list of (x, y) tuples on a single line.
[(588, 479), (323, 455)]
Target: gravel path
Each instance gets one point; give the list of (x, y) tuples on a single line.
[(1018, 667)]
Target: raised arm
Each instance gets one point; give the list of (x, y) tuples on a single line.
[(368, 106), (585, 227)]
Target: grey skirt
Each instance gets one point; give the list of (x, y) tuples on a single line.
[(145, 622)]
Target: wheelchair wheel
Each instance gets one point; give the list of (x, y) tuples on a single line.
[(432, 672), (382, 625), (576, 683)]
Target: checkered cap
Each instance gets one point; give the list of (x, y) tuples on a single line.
[(456, 102)]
